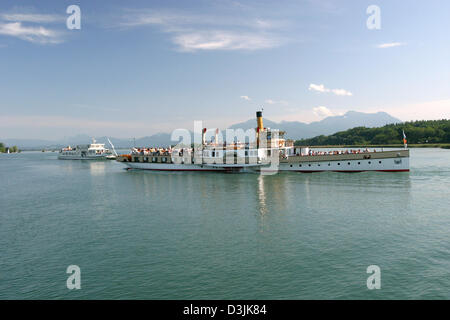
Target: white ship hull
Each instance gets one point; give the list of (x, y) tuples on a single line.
[(171, 167), (383, 165), (80, 157)]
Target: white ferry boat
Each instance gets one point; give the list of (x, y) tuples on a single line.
[(93, 151), (269, 153)]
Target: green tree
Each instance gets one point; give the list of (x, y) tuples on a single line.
[(431, 131)]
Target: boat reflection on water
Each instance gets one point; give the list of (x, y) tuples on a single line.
[(97, 168), (272, 199), (261, 196)]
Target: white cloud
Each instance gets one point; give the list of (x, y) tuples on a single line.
[(390, 45), (32, 17), (223, 40), (341, 92), (321, 88), (245, 98), (177, 19), (322, 111), (12, 24), (270, 101), (318, 87), (194, 32), (32, 34)]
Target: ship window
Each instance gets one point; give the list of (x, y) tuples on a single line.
[(370, 162), (309, 165), (379, 161), (268, 153), (359, 162), (291, 165), (339, 164), (213, 154), (329, 164), (154, 159), (299, 165), (145, 159), (348, 163), (163, 159), (136, 159), (318, 165), (246, 153)]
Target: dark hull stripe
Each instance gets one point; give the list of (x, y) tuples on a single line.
[(305, 171), (151, 169)]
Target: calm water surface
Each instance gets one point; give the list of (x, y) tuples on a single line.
[(145, 235)]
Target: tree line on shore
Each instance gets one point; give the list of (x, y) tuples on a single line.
[(417, 132), (4, 149)]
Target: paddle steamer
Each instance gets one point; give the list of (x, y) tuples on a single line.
[(270, 152)]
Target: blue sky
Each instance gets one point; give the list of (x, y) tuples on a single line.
[(141, 67)]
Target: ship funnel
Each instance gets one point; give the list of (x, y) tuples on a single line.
[(259, 120)]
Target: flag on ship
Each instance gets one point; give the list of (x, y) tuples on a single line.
[(404, 139)]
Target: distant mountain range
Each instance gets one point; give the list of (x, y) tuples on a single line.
[(297, 130), (294, 130)]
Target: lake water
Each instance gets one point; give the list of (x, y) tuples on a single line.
[(147, 235)]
